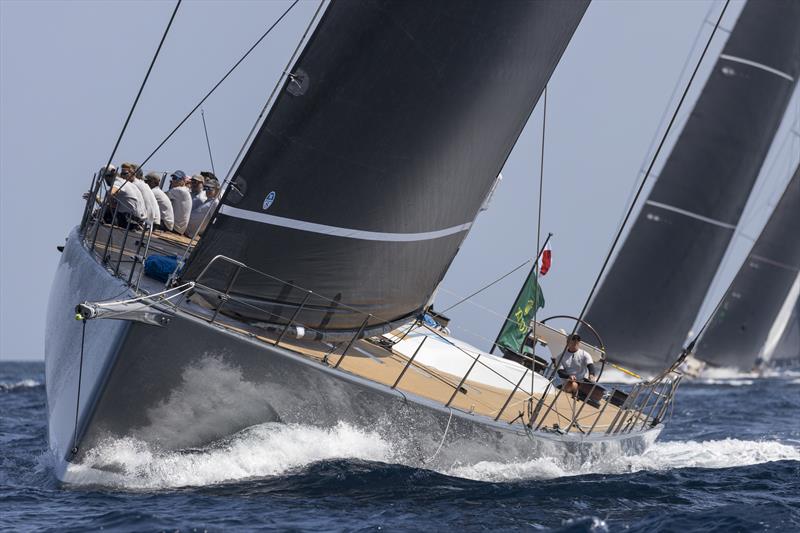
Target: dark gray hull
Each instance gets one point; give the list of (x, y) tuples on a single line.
[(190, 383)]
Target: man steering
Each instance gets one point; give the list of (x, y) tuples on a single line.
[(576, 365)]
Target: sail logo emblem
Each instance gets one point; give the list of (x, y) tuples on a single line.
[(268, 200)]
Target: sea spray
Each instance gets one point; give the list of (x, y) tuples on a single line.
[(275, 449), (264, 450), (661, 456)]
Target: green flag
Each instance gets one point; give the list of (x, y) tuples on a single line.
[(530, 299)]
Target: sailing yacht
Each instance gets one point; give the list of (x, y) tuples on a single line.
[(786, 353), (749, 314), (302, 302), (651, 296)]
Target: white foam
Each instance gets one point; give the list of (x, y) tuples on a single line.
[(24, 384), (265, 450), (662, 456), (729, 382), (276, 449), (733, 376), (724, 373)]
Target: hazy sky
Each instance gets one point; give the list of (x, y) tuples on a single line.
[(69, 72)]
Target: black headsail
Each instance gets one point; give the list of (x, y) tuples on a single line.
[(787, 351), (739, 329), (379, 151), (650, 297)]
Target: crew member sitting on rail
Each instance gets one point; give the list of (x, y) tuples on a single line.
[(202, 214), (197, 188), (575, 365), (153, 180), (126, 199), (107, 174), (181, 201), (150, 205)]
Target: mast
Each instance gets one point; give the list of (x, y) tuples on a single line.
[(373, 163), (651, 296), (739, 330)]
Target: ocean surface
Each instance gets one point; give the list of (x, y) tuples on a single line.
[(729, 460)]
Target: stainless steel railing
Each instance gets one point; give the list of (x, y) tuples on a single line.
[(642, 406), (113, 255)]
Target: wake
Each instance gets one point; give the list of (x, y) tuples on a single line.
[(274, 449), (660, 457)]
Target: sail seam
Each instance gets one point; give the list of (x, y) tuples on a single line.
[(337, 231), (757, 65), (772, 262), (691, 215)]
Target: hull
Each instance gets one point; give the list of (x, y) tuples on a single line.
[(190, 383)]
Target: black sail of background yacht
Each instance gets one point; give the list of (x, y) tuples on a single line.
[(378, 152), (650, 297), (740, 328), (787, 351)]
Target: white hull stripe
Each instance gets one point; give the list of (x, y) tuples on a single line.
[(691, 215), (757, 65), (339, 232)]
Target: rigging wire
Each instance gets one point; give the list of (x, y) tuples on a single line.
[(213, 213), (214, 88), (208, 143), (538, 239), (642, 185), (674, 92), (78, 394), (504, 276), (144, 82), (111, 158), (650, 167)]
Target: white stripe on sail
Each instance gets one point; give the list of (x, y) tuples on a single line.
[(756, 65), (340, 232), (690, 214), (772, 262)]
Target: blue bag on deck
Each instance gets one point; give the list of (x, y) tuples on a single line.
[(160, 266)]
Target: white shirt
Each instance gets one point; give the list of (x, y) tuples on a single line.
[(150, 205), (164, 207), (198, 220), (576, 363), (181, 207), (198, 199), (129, 199)]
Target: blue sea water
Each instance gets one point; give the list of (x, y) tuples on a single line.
[(729, 460)]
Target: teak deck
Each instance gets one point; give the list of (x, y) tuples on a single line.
[(378, 363)]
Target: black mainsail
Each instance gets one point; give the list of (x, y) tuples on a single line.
[(650, 297), (750, 307), (376, 156)]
